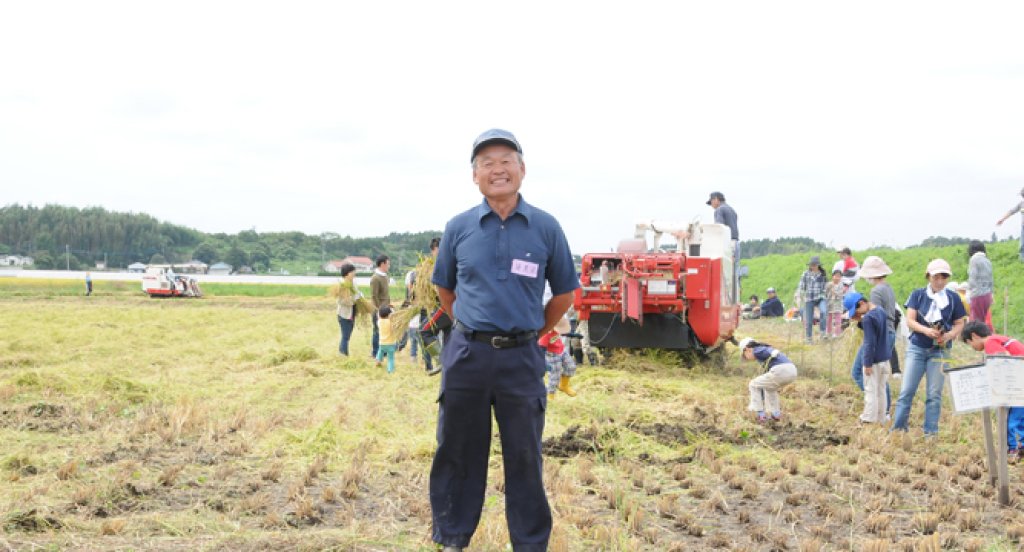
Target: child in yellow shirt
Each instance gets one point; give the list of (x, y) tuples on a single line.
[(388, 338)]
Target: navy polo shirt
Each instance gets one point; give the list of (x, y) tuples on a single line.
[(920, 302), (497, 268)]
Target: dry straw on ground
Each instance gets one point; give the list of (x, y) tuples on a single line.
[(233, 424)]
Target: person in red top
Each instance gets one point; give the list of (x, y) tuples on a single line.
[(560, 364), (980, 338)]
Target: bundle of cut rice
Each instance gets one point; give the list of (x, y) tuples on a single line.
[(400, 318), (334, 291), (423, 293), (364, 306)]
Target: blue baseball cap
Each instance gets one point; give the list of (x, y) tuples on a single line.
[(495, 135), (850, 302)]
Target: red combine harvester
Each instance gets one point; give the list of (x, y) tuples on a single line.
[(639, 298)]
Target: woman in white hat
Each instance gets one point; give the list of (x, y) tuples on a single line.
[(875, 271), (935, 316)]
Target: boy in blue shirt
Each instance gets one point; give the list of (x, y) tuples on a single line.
[(875, 353)]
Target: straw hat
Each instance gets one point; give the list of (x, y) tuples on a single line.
[(874, 267)]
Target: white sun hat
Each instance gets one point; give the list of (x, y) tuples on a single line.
[(874, 267)]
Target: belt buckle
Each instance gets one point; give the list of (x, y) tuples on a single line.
[(497, 342)]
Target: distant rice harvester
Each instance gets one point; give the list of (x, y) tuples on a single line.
[(163, 282)]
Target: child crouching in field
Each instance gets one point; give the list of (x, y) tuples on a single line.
[(388, 338), (779, 372), (560, 364)]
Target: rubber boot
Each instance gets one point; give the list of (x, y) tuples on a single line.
[(563, 386)]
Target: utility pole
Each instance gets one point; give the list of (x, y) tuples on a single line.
[(67, 253)]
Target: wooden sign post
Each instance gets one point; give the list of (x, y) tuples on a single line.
[(995, 385), (990, 450)]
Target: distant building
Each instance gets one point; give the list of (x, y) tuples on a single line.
[(333, 267), (192, 267), (15, 260), (137, 268), (246, 269), (101, 265), (362, 264), (220, 268)]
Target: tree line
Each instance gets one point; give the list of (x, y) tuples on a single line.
[(57, 236)]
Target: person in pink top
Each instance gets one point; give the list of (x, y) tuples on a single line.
[(980, 338)]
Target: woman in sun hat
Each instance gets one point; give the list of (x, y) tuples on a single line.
[(935, 316)]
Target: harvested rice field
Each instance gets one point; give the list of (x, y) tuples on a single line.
[(231, 423)]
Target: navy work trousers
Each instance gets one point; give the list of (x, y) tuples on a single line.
[(476, 377)]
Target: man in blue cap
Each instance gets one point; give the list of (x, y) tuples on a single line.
[(490, 273), (875, 353)]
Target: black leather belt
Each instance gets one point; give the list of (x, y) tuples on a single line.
[(498, 340)]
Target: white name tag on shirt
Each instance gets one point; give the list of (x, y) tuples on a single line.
[(524, 268)]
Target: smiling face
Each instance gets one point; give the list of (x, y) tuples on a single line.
[(498, 171)]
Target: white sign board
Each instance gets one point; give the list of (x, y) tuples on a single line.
[(970, 389), (998, 382), (1006, 376)]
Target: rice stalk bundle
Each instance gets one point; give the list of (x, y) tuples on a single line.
[(400, 318), (423, 295), (364, 310)]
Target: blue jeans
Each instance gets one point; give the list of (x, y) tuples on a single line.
[(926, 363), (375, 340), (808, 314), (414, 345), (857, 372), (346, 333), (1015, 428)]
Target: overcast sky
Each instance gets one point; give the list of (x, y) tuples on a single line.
[(853, 123)]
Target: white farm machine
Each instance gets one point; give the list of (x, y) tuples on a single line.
[(163, 282)]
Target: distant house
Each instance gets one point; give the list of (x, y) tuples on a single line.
[(333, 267), (15, 260), (220, 268), (362, 264), (137, 267), (246, 269), (192, 267)]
